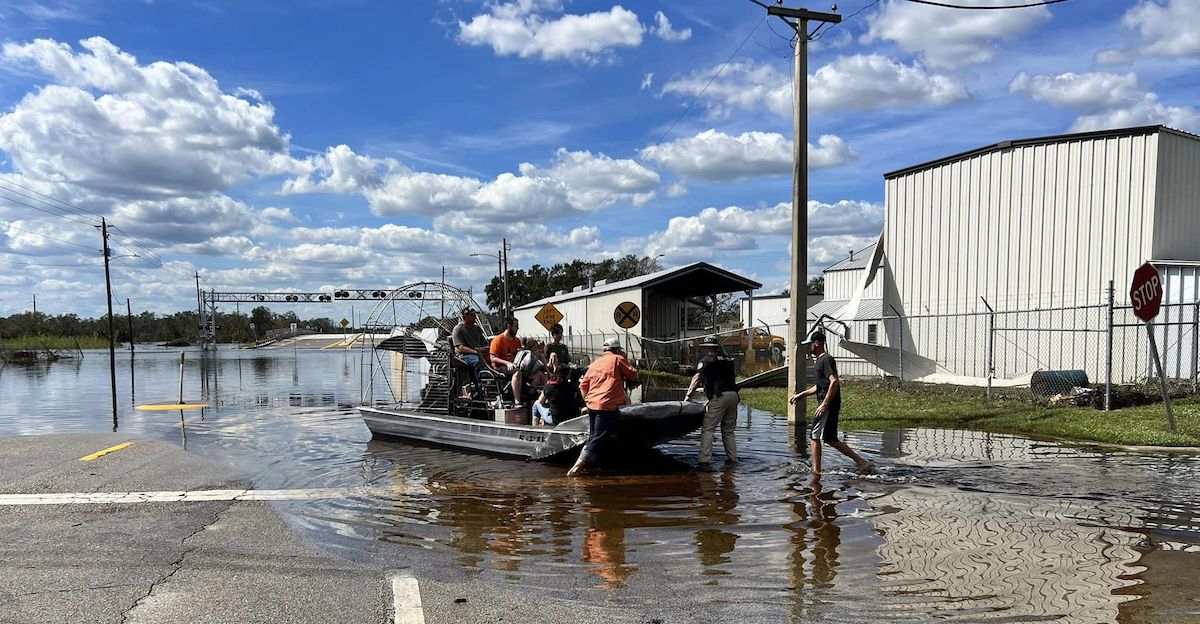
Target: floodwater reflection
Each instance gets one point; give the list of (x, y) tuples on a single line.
[(961, 526)]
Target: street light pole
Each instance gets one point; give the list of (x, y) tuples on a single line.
[(504, 278)]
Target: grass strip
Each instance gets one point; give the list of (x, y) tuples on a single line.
[(873, 404)]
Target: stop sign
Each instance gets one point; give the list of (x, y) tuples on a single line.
[(1146, 292)]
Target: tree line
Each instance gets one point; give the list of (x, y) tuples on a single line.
[(151, 327)]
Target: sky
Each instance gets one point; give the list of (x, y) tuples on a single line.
[(313, 145)]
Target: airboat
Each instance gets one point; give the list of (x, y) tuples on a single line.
[(419, 390)]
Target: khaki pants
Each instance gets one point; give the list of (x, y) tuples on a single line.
[(721, 410)]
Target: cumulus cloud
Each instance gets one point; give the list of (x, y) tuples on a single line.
[(1166, 29), (856, 82), (950, 39), (574, 181), (647, 81), (663, 29), (117, 128), (714, 155), (188, 219), (714, 232), (520, 29), (1105, 100)]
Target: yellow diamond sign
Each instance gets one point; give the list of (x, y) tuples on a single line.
[(548, 315)]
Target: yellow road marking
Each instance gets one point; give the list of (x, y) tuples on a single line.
[(111, 449), (171, 407)]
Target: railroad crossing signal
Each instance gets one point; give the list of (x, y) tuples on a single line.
[(1146, 292), (627, 315), (548, 316)]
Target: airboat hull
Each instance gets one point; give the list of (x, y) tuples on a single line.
[(642, 425)]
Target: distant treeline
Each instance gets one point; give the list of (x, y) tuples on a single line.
[(150, 327)]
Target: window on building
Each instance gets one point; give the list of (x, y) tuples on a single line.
[(872, 333)]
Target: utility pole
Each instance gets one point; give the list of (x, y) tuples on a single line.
[(129, 317), (112, 345), (798, 19), (35, 320), (504, 254), (199, 308)]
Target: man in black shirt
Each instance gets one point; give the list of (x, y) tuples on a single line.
[(828, 391), (715, 371), (556, 351)]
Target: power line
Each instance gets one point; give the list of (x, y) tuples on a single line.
[(55, 214), (59, 240), (686, 110), (77, 209), (947, 5), (38, 199), (816, 37)]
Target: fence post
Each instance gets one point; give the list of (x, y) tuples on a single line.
[(1109, 353), (899, 330), (1195, 346), (991, 346)]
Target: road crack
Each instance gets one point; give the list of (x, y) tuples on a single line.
[(176, 565)]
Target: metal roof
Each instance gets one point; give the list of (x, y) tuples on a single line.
[(858, 260), (1057, 138), (693, 280)]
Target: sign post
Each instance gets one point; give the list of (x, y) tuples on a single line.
[(1145, 293)]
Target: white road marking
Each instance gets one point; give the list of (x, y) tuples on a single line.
[(406, 599), (108, 498)]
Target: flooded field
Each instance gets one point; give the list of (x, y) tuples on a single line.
[(959, 526)]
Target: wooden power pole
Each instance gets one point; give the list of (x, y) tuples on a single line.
[(112, 338), (798, 19)]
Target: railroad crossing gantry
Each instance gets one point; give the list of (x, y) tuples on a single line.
[(210, 299)]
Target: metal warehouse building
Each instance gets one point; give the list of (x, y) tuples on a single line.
[(999, 259)]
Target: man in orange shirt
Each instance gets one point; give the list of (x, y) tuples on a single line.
[(603, 389), (504, 355)]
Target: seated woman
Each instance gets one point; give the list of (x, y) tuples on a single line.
[(558, 401)]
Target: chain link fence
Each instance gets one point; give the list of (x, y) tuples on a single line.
[(1084, 354)]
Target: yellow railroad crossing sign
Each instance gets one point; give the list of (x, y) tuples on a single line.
[(548, 316), (627, 314), (344, 323)]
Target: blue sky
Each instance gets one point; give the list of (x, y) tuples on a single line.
[(314, 145)]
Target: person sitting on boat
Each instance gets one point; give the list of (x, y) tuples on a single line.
[(529, 361), (504, 349), (558, 401), (470, 344), (603, 389), (556, 351)]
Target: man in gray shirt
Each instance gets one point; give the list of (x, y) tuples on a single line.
[(470, 344)]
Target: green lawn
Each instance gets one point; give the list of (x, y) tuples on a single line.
[(872, 404)]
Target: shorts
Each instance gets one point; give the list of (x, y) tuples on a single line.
[(825, 427)]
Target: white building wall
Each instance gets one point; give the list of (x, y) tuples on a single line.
[(1027, 228), (843, 284), (588, 314), (1177, 217)]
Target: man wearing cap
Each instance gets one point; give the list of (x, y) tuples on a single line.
[(715, 370), (470, 344), (603, 389), (828, 391), (556, 351)]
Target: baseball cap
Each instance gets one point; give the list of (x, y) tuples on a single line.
[(710, 341), (612, 344), (816, 336)]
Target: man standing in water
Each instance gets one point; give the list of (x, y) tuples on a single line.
[(828, 391), (715, 371), (603, 389)]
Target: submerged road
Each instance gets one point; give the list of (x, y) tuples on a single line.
[(105, 528)]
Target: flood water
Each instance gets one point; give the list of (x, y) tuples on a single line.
[(960, 526)]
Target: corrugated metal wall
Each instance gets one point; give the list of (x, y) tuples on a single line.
[(1030, 227), (1177, 218), (843, 284)]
